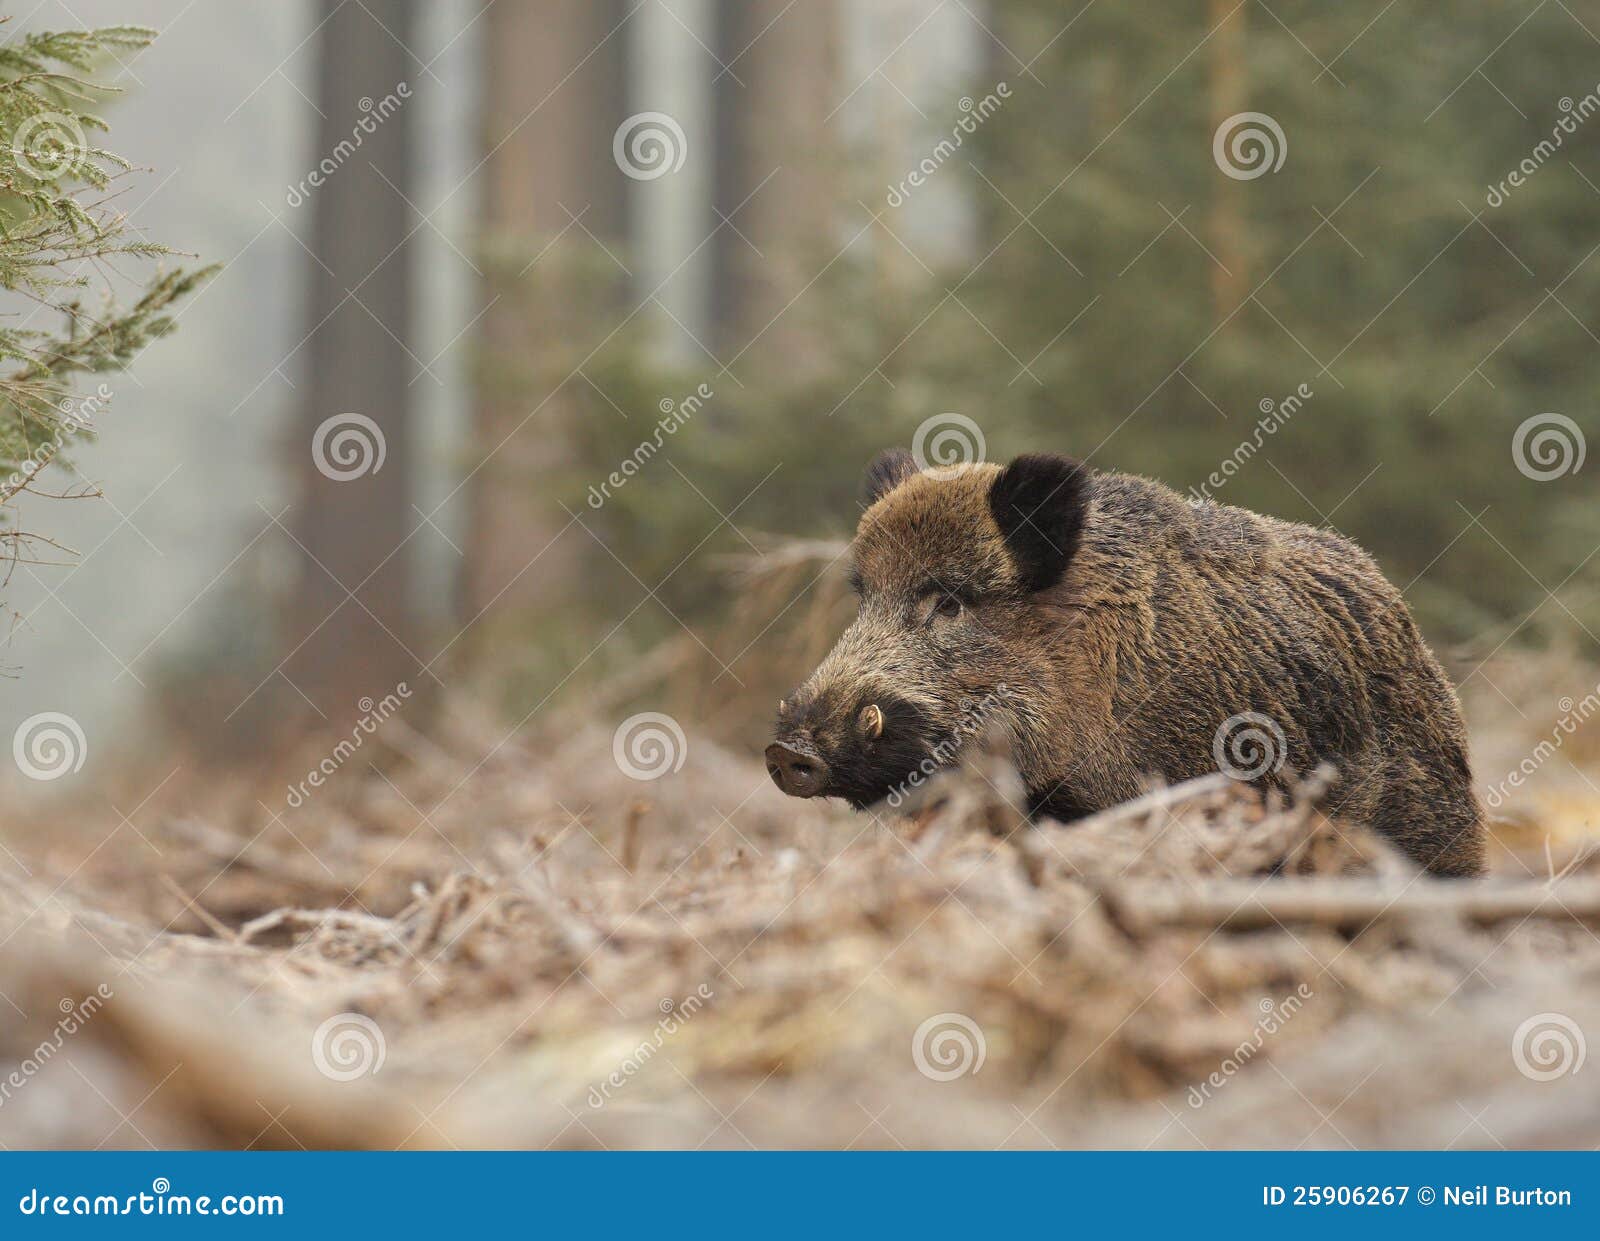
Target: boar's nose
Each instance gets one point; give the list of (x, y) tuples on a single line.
[(797, 774)]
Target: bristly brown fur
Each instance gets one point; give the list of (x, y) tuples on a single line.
[(888, 470), (1114, 628)]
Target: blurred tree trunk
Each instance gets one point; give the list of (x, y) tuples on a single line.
[(729, 176), (551, 101), (351, 617), (1006, 29), (790, 75)]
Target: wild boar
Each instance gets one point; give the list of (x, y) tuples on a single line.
[(1114, 631)]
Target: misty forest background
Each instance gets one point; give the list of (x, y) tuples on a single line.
[(482, 280)]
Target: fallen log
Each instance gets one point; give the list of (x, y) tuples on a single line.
[(1252, 904)]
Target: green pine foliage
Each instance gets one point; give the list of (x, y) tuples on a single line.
[(1429, 316), (61, 240)]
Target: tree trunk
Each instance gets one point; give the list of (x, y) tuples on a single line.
[(782, 144), (552, 92), (351, 618)]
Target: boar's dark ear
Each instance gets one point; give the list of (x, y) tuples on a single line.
[(1039, 501), (888, 470)]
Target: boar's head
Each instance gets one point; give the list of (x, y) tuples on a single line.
[(950, 567)]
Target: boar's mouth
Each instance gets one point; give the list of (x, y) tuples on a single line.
[(865, 764), (866, 778)]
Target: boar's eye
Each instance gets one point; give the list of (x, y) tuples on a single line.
[(948, 606)]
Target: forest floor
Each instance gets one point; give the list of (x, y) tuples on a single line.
[(535, 950)]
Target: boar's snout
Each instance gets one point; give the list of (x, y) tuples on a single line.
[(799, 773)]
